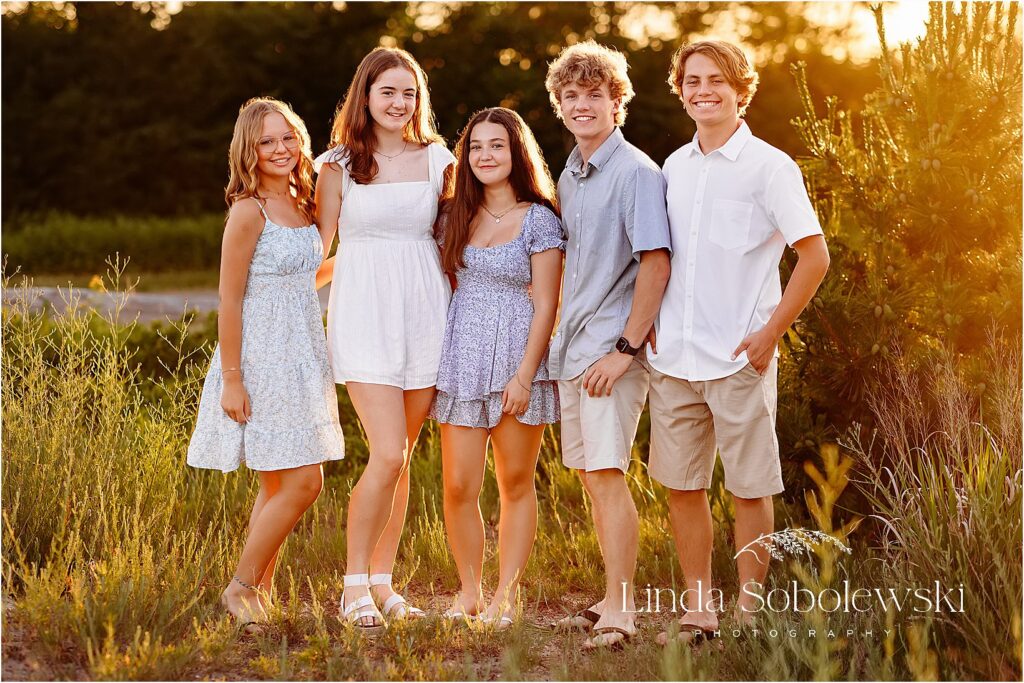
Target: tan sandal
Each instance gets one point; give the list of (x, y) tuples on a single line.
[(589, 645), (583, 620)]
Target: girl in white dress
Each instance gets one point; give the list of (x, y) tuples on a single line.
[(378, 187), (268, 399)]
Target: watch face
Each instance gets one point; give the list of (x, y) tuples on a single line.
[(621, 345)]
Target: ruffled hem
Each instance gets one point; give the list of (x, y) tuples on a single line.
[(486, 412), (265, 451)]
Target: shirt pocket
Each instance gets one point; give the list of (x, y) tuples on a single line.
[(730, 223)]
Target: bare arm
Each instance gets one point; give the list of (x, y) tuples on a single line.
[(325, 273), (245, 223), (546, 276), (811, 266), (651, 280), (546, 268), (328, 210)]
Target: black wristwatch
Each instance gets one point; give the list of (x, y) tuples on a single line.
[(622, 346)]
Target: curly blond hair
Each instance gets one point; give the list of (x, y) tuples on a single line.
[(243, 156), (590, 64), (730, 59)]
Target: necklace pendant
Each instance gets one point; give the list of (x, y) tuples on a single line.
[(497, 220)]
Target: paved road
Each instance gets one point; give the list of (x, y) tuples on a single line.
[(148, 306)]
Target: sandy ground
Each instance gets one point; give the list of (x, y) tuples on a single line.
[(148, 306)]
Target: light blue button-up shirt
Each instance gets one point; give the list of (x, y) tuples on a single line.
[(612, 210)]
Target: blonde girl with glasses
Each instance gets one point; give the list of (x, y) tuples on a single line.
[(378, 188), (268, 399)]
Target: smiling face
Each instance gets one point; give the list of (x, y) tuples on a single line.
[(588, 111), (708, 97), (490, 154), (278, 146), (392, 99)]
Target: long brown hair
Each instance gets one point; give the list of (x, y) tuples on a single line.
[(530, 179), (243, 156), (353, 125)]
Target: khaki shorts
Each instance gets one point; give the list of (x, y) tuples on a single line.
[(736, 414), (598, 431)]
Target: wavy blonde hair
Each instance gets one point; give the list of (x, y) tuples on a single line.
[(590, 64), (730, 59), (353, 125), (243, 156)]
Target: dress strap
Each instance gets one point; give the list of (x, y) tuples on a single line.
[(262, 210)]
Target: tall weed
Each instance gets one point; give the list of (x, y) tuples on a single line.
[(947, 494)]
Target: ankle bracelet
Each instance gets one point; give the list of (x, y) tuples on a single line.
[(251, 587)]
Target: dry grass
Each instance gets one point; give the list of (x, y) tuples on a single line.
[(114, 552)]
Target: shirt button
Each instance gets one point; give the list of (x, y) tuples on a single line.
[(577, 215)]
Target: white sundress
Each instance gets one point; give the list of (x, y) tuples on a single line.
[(389, 297), (284, 365)]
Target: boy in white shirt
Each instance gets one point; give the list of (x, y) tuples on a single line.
[(734, 203)]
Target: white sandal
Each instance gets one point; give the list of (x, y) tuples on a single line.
[(395, 603), (362, 607), (500, 623)]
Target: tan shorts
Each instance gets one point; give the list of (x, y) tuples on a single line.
[(734, 413), (598, 431)]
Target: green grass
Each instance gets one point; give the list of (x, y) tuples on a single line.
[(114, 552)]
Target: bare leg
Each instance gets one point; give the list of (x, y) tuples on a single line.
[(382, 561), (516, 447), (464, 453), (619, 533), (755, 517), (270, 482), (692, 528), (299, 488), (595, 513)]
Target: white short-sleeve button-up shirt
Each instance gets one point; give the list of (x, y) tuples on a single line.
[(731, 214)]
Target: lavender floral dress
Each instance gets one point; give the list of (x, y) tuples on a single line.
[(488, 325)]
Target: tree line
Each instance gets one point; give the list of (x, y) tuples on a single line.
[(111, 108)]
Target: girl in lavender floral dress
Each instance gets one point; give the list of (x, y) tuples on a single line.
[(502, 241)]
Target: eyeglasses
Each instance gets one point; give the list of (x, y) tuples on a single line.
[(290, 141)]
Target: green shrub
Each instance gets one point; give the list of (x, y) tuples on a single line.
[(919, 195), (62, 243)]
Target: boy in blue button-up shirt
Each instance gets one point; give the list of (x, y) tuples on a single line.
[(617, 265)]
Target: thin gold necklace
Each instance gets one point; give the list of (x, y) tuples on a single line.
[(501, 214), (392, 157)]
